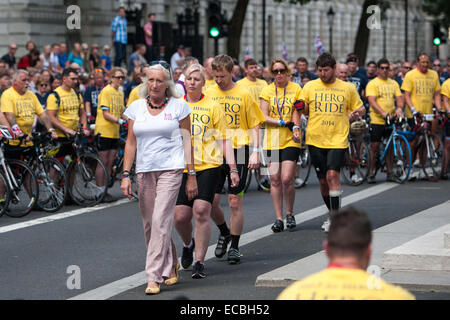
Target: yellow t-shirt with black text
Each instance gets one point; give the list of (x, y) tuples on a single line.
[(445, 90), (329, 107), (384, 92), (422, 87), (242, 113), (68, 111), (24, 107), (134, 95), (254, 87), (343, 284), (111, 100), (208, 125), (276, 137), (208, 84)]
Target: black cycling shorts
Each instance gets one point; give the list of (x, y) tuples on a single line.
[(326, 159), (241, 157), (378, 132), (105, 144), (18, 152), (287, 154), (65, 148), (206, 182)]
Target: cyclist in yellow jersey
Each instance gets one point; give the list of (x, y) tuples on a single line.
[(446, 154), (383, 94), (348, 249), (208, 131), (108, 122), (66, 111), (243, 118), (251, 81), (282, 140), (421, 88), (19, 106), (330, 104)]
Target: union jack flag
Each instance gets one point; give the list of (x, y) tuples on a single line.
[(247, 53), (284, 53), (318, 45)]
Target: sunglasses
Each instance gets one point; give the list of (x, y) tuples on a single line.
[(162, 63), (384, 68), (44, 85), (119, 77), (408, 68), (436, 65), (278, 71)]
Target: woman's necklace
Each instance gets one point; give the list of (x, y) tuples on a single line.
[(157, 107)]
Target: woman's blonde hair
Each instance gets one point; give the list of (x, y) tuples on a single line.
[(196, 67), (284, 63), (170, 92)]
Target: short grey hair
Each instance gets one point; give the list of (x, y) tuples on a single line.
[(170, 92), (19, 72)]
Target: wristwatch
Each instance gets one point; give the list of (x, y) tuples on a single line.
[(51, 129), (192, 173)]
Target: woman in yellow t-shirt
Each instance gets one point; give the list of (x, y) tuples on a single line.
[(208, 132), (108, 122), (281, 140)]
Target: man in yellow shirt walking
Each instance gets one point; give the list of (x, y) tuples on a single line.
[(348, 249)]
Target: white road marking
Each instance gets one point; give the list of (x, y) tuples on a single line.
[(139, 279), (60, 216)]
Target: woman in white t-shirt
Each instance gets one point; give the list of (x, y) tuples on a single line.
[(159, 134)]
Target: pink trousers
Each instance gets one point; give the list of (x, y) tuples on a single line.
[(158, 192)]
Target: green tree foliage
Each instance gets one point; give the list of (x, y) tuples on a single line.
[(439, 9)]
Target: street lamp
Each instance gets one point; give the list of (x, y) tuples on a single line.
[(384, 23), (330, 16), (416, 22)]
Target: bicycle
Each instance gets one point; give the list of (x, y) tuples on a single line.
[(428, 147), (18, 185), (357, 156), (402, 163), (82, 184), (50, 173), (117, 167)]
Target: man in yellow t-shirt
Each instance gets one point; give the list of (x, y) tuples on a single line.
[(383, 94), (243, 117), (348, 249), (134, 94), (108, 122), (209, 77), (446, 154), (20, 107), (330, 104), (251, 81), (421, 88), (65, 109)]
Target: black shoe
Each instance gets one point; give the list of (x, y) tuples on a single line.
[(444, 176), (278, 226), (221, 247), (390, 178), (290, 221), (234, 256), (198, 270), (187, 256), (108, 198), (371, 179)]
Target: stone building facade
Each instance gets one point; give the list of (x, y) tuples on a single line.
[(45, 22)]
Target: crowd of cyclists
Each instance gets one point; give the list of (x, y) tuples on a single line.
[(59, 94)]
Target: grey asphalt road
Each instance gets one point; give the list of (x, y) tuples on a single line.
[(108, 244)]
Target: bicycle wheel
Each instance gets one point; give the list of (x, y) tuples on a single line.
[(51, 178), (356, 164), (430, 159), (303, 166), (82, 183), (133, 181), (5, 195), (402, 160), (25, 191), (262, 178)]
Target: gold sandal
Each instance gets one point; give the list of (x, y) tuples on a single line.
[(150, 290), (173, 280)]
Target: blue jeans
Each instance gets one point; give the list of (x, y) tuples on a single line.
[(121, 50)]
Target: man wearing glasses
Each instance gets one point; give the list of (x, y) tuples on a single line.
[(443, 75), (65, 109), (406, 67), (382, 94), (10, 57)]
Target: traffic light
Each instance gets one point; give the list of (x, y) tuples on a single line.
[(215, 19), (438, 35)]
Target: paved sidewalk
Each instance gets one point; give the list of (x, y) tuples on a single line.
[(401, 253)]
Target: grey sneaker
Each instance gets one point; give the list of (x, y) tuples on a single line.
[(234, 256), (198, 270), (221, 247)]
